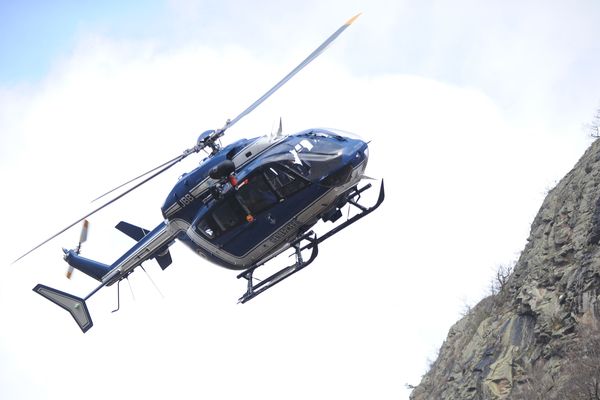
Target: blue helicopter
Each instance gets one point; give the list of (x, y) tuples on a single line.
[(244, 205)]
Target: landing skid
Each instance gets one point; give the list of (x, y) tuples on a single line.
[(308, 241)]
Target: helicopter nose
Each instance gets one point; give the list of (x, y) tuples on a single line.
[(366, 153)]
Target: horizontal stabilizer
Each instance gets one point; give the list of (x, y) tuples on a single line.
[(74, 305), (134, 232)]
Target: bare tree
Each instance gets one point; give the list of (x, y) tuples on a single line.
[(500, 279), (594, 126)]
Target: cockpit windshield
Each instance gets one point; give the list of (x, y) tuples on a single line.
[(313, 154)]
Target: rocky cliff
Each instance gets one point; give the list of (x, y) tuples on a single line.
[(538, 336)]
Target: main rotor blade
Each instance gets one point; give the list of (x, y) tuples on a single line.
[(134, 179), (303, 64), (172, 162)]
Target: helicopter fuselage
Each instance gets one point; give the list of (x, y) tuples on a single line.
[(281, 187)]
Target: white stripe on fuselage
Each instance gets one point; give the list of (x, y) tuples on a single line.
[(163, 236)]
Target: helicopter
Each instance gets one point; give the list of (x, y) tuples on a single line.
[(244, 205)]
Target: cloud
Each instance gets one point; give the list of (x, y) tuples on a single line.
[(359, 322)]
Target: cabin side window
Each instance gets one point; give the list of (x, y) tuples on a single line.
[(253, 196), (259, 192), (256, 194), (227, 215)]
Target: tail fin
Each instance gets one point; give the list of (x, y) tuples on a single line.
[(74, 305)]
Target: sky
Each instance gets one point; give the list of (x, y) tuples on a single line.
[(473, 111)]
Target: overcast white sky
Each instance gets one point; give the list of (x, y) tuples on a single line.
[(474, 109)]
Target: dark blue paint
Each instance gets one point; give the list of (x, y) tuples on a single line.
[(330, 154), (89, 267)]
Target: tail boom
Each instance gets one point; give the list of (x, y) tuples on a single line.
[(89, 267)]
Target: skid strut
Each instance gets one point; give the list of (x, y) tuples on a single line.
[(254, 290)]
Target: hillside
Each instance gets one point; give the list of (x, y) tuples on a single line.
[(538, 337)]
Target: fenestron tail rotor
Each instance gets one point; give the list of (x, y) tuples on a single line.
[(82, 238), (208, 139)]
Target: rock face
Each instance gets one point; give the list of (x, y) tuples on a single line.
[(533, 338)]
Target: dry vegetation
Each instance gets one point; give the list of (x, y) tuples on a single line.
[(579, 378)]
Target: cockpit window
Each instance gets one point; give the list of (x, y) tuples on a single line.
[(312, 156), (284, 182)]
